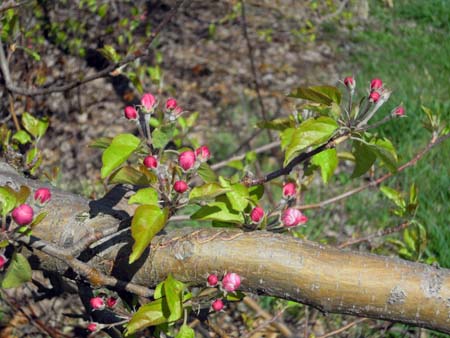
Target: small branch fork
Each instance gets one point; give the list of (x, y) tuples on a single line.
[(105, 72)]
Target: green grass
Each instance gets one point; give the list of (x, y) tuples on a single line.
[(408, 48)]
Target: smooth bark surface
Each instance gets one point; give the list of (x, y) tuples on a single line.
[(330, 279)]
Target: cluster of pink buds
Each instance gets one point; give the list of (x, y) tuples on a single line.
[(230, 281), (173, 110), (24, 213), (148, 105), (100, 303), (188, 159), (292, 217)]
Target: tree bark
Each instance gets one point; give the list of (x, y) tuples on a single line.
[(329, 279)]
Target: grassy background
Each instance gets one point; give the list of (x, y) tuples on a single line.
[(407, 46)]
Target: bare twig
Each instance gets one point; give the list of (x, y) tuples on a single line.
[(342, 329), (380, 233), (143, 51), (434, 141)]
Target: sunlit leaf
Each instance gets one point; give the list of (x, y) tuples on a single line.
[(218, 211), (129, 175), (150, 314), (327, 161), (145, 196), (173, 290), (18, 272), (207, 191), (121, 147)]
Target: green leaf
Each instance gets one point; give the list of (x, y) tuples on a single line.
[(110, 53), (218, 211), (206, 173), (7, 200), (238, 196), (236, 164), (256, 192), (145, 196), (162, 136), (173, 290), (101, 143), (38, 219), (207, 191), (129, 175), (327, 161), (22, 137), (312, 132), (413, 193), (4, 243), (147, 221), (365, 157), (385, 151), (36, 127), (159, 291), (319, 94), (394, 195), (185, 332), (150, 314), (235, 296), (121, 147), (277, 124), (18, 272)]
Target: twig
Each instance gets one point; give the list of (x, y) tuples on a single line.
[(53, 89), (11, 5), (380, 233), (12, 112), (94, 276), (434, 141), (346, 327)]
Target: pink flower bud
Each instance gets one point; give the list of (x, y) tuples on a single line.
[(376, 84), (187, 159), (150, 162), (203, 153), (97, 303), (257, 214), (213, 280), (399, 111), (130, 113), (42, 195), (171, 103), (349, 82), (231, 282), (148, 101), (217, 305), (292, 217), (111, 302), (289, 189), (374, 97), (23, 214), (92, 327), (180, 186), (3, 261), (178, 111)]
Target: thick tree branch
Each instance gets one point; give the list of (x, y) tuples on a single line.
[(327, 278)]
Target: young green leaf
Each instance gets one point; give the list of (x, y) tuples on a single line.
[(173, 290), (207, 191), (206, 173), (162, 136), (22, 137), (365, 157), (18, 272), (7, 200), (327, 161), (185, 332), (319, 94), (121, 147), (312, 132), (145, 196), (36, 127), (150, 314), (148, 220), (394, 195), (218, 211), (129, 175)]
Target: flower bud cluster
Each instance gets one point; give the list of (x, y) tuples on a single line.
[(24, 213), (230, 283), (148, 105)]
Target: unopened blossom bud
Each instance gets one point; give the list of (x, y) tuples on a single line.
[(97, 303), (111, 302), (3, 261), (349, 82), (180, 186), (171, 103), (150, 162), (376, 84), (42, 195), (187, 160), (292, 217), (213, 280), (374, 97), (130, 113), (203, 153), (289, 190), (23, 214), (148, 102), (178, 111), (231, 282), (217, 305), (92, 327), (399, 111), (257, 214)]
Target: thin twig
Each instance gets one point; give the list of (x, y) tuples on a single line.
[(342, 329), (379, 233), (434, 141), (144, 51)]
